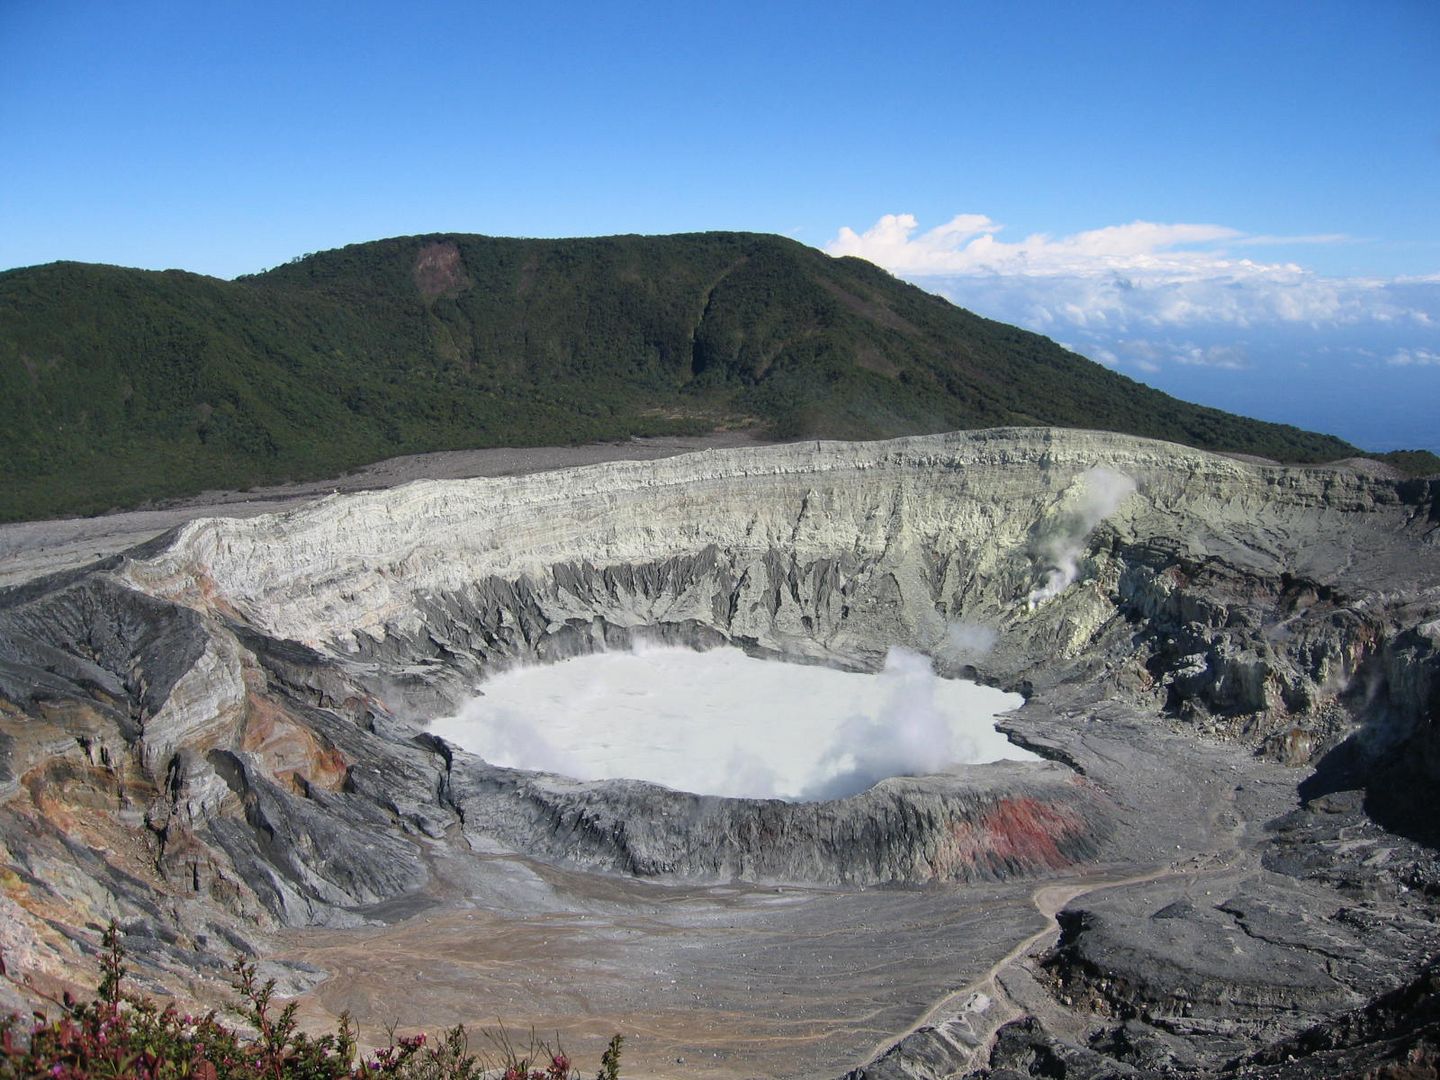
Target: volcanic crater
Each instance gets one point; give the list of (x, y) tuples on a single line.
[(222, 739)]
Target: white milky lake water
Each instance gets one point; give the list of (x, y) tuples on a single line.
[(723, 723)]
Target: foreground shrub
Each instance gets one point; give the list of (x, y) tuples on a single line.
[(121, 1035)]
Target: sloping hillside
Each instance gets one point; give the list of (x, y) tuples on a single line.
[(118, 386)]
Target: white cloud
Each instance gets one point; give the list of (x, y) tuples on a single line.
[(1414, 358), (1100, 355), (1267, 240), (1126, 277), (1135, 302), (891, 243), (1228, 357), (966, 244)]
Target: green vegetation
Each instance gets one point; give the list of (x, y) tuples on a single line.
[(1411, 462), (121, 386), (121, 1035)]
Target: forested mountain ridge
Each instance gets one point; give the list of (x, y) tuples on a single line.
[(121, 386)]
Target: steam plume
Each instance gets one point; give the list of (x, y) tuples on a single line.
[(909, 736), (970, 639), (1100, 494), (720, 722)]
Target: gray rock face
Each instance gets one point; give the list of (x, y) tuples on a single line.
[(222, 732), (980, 823)]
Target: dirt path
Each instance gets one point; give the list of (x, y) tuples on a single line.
[(1048, 901), (985, 999)]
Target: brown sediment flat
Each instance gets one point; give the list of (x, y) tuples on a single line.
[(736, 980)]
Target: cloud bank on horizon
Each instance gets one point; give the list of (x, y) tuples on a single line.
[(1141, 274), (1196, 310)]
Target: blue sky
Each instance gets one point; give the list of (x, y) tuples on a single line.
[(1239, 202)]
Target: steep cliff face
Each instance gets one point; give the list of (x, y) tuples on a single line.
[(1260, 595), (982, 823), (225, 730)]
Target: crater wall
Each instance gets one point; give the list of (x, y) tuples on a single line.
[(224, 730), (1256, 594)]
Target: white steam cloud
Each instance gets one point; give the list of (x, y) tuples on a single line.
[(908, 736), (722, 723), (1100, 493), (511, 737), (970, 640)]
